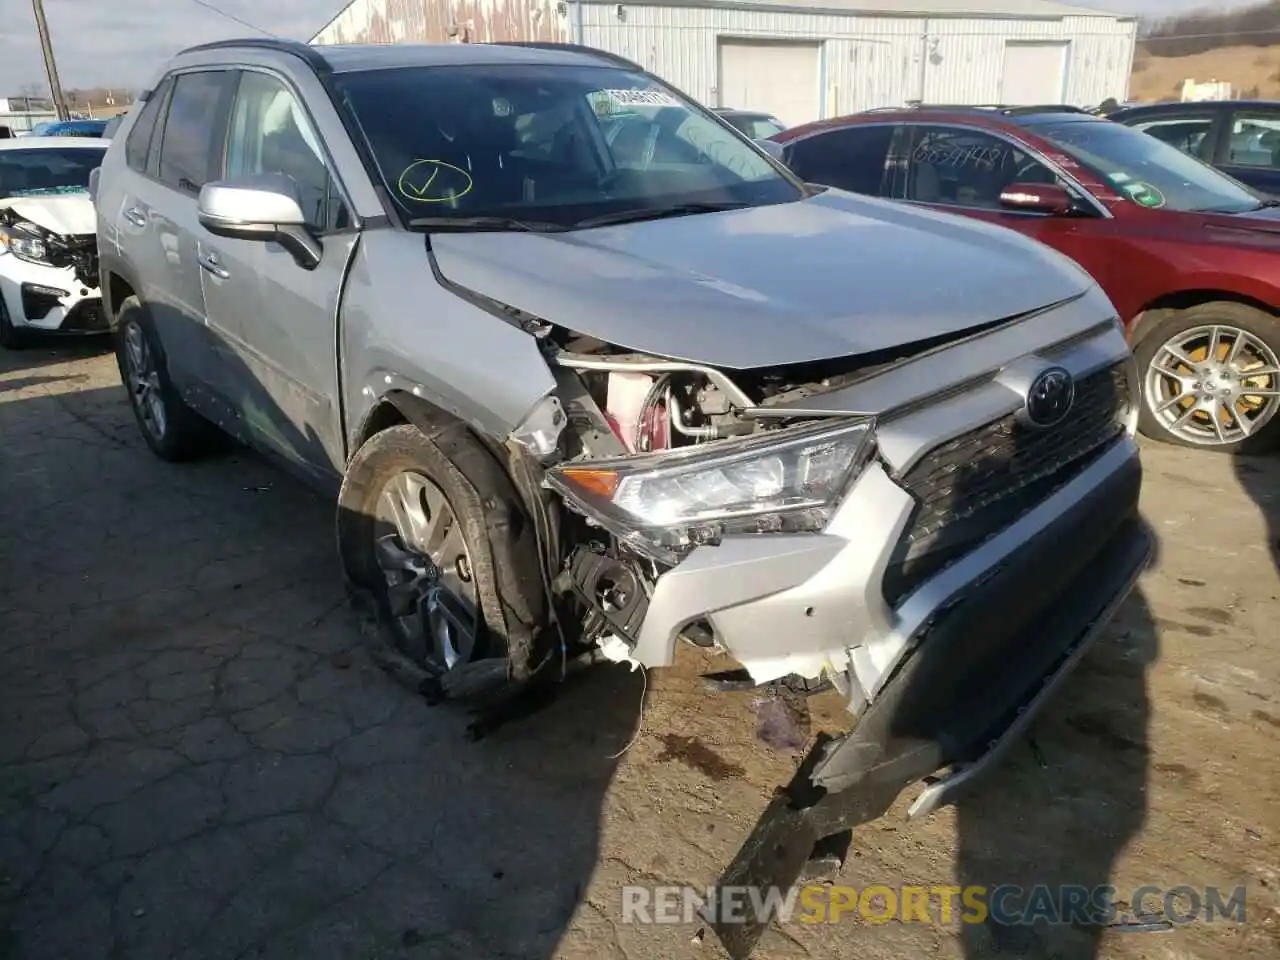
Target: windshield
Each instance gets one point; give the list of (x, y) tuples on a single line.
[(550, 144), (1148, 171), (25, 173)]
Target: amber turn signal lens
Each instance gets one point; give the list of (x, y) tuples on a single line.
[(598, 483)]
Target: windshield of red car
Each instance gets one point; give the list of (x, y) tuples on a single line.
[(1147, 171)]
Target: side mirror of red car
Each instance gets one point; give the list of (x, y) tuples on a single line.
[(1037, 198)]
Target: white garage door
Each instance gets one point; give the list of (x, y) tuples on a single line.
[(1034, 73), (777, 78)]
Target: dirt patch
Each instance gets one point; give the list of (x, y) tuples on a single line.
[(1253, 72)]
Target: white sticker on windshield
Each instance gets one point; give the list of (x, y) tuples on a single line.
[(642, 98)]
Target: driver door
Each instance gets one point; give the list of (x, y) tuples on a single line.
[(281, 318)]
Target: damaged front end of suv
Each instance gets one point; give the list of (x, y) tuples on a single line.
[(905, 526), (831, 439)]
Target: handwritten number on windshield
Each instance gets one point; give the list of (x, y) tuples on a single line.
[(433, 181)]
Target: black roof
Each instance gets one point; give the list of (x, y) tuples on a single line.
[(1179, 106)]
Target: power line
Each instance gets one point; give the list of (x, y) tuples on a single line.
[(231, 16)]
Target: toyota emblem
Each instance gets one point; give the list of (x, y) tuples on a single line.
[(1049, 398)]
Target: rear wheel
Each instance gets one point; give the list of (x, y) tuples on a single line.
[(171, 429), (1211, 378)]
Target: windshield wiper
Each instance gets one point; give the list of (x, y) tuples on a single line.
[(488, 224), (1265, 204), (657, 213)]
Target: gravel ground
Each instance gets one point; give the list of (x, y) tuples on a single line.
[(197, 760)]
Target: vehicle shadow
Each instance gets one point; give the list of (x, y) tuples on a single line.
[(1260, 478), (199, 759), (1045, 831), (46, 351), (1064, 801)]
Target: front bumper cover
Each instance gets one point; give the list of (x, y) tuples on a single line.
[(974, 677), (49, 298)]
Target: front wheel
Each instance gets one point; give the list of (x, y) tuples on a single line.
[(1211, 378), (447, 555)]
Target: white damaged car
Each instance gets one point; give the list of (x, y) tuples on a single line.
[(48, 246)]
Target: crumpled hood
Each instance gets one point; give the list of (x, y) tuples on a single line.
[(68, 214), (831, 276)]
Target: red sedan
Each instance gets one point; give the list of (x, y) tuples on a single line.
[(1190, 257)]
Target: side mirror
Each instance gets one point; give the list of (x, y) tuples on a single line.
[(1037, 198), (263, 207), (771, 148), (94, 175)]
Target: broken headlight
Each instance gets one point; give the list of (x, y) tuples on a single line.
[(779, 482), (23, 245)]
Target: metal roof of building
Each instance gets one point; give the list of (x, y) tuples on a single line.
[(907, 8), (985, 9)]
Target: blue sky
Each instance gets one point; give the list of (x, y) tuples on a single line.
[(104, 42)]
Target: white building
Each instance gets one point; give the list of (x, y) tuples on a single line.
[(801, 59)]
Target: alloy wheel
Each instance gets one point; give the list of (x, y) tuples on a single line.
[(143, 381), (1213, 385), (423, 555)]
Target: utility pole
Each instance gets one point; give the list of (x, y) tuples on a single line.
[(50, 67)]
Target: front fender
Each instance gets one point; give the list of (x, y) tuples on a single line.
[(404, 334)]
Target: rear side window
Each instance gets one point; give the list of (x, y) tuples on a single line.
[(849, 159), (1188, 134), (138, 145), (1255, 140), (193, 129)]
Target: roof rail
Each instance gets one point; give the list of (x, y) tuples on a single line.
[(1007, 110), (1042, 108), (573, 47), (294, 48)]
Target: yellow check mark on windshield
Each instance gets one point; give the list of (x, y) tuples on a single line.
[(419, 191), (417, 182)]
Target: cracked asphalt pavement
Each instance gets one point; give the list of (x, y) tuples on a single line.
[(198, 760)]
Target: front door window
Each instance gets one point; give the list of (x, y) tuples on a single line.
[(959, 167)]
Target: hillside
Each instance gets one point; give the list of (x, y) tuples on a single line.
[(1240, 45), (1252, 71)]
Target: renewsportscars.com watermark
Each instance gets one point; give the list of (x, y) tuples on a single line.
[(1146, 908)]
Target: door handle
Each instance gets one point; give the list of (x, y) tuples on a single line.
[(211, 263), (136, 217)]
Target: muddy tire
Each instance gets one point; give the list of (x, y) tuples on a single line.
[(429, 526), (1210, 378), (170, 428)]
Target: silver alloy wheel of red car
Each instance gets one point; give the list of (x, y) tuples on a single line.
[(1213, 385)]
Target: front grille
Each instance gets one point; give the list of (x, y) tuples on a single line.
[(969, 489)]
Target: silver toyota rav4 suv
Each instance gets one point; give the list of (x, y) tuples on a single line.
[(588, 370)]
